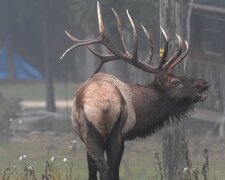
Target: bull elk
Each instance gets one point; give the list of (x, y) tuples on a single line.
[(107, 112)]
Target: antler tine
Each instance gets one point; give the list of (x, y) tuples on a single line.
[(176, 55), (135, 38), (120, 31), (150, 45), (99, 39), (71, 37), (163, 58), (180, 58), (100, 21), (79, 43)]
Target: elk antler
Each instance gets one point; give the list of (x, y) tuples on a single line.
[(178, 56), (129, 57)]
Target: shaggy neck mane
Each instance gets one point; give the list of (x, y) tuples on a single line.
[(160, 111), (171, 109)]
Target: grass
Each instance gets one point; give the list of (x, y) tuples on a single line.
[(138, 160), (43, 148), (36, 90)]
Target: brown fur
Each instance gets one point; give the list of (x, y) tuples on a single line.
[(147, 105), (101, 102)]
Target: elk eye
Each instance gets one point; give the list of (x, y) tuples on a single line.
[(176, 83)]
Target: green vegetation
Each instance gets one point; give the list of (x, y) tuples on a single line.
[(62, 158), (45, 148), (36, 91)]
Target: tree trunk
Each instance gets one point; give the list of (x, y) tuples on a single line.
[(222, 123), (50, 99), (174, 141), (10, 39), (10, 57)]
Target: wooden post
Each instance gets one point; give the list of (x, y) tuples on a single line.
[(174, 141)]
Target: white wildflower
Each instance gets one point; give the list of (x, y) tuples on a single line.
[(186, 169), (52, 158), (23, 157)]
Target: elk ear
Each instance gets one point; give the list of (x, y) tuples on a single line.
[(158, 80)]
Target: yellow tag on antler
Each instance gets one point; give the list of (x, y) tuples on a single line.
[(161, 51)]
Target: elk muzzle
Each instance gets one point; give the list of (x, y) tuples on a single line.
[(201, 86)]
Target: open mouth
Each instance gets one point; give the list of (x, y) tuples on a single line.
[(201, 95)]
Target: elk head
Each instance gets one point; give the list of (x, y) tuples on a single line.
[(182, 89)]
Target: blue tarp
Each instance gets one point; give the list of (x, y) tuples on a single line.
[(23, 70)]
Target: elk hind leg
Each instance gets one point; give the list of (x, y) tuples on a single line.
[(115, 144), (114, 156), (94, 143), (96, 160)]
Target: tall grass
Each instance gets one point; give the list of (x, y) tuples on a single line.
[(51, 172)]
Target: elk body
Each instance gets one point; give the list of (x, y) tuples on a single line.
[(107, 112)]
